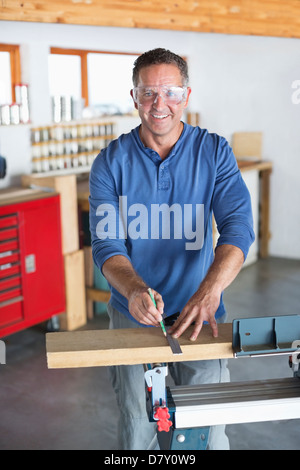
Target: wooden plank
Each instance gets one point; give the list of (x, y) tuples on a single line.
[(248, 17), (93, 348)]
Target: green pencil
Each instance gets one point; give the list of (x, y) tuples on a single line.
[(162, 322)]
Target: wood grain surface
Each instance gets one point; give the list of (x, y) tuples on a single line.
[(92, 348), (258, 17)]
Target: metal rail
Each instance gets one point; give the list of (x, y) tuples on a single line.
[(235, 402)]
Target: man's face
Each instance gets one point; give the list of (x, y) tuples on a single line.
[(158, 117)]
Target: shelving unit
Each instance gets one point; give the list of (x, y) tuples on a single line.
[(69, 145)]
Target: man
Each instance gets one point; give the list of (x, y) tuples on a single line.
[(152, 195)]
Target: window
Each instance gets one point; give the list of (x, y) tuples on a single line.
[(10, 72), (110, 82), (64, 75), (101, 79)]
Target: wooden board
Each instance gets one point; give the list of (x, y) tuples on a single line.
[(258, 17), (92, 348)]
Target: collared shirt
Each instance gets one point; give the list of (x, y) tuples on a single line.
[(158, 213)]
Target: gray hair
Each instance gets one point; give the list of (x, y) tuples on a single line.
[(160, 56)]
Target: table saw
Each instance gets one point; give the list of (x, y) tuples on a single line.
[(184, 414)]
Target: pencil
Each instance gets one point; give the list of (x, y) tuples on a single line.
[(162, 322)]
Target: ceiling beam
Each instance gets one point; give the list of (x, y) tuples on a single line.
[(245, 17)]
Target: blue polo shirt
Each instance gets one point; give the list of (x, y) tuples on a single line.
[(158, 213)]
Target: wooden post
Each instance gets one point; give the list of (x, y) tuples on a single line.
[(264, 228), (75, 315)]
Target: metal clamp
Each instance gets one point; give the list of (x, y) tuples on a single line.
[(156, 381)]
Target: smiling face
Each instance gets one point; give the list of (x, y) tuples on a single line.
[(161, 120)]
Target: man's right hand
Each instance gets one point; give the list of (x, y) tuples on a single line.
[(142, 308), (119, 272)]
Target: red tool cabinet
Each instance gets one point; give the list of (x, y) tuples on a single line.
[(32, 286)]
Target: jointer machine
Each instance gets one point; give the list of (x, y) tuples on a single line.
[(184, 414)]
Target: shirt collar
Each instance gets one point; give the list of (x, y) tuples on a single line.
[(152, 154)]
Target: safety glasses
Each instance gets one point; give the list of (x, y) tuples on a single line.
[(171, 95)]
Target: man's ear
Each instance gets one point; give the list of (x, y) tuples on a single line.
[(189, 90), (135, 104)]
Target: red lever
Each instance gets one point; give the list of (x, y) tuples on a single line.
[(163, 415)]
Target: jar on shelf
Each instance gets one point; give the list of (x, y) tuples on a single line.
[(14, 112), (52, 163)]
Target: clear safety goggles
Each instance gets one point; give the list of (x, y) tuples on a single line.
[(171, 95)]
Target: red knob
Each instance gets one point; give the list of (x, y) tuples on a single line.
[(163, 415)]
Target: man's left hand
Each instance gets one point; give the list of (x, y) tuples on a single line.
[(201, 307)]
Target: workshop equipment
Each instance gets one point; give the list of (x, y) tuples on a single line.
[(184, 414)]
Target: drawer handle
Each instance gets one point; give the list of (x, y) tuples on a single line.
[(5, 303), (6, 253)]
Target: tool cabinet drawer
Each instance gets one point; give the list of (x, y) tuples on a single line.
[(9, 245), (8, 233), (10, 220), (9, 294), (9, 282), (9, 269), (11, 312), (9, 257)]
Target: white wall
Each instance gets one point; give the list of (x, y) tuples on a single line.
[(245, 84), (240, 83)]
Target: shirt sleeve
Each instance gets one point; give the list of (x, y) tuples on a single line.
[(231, 202), (104, 214)]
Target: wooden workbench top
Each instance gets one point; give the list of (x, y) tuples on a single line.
[(92, 348), (260, 165), (14, 195)]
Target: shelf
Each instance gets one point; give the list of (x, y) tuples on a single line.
[(65, 171), (69, 147)]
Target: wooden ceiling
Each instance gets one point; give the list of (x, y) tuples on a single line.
[(248, 17)]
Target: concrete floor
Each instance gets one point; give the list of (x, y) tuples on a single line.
[(76, 408)]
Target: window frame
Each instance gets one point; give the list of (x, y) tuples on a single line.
[(83, 54), (15, 66)]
